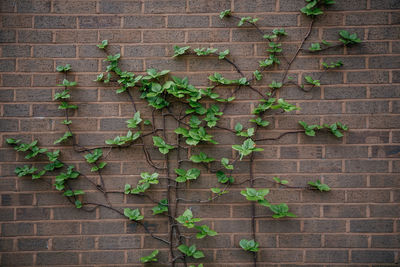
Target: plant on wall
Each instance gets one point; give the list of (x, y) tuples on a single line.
[(200, 112)]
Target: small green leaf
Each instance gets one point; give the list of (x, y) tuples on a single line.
[(178, 51), (103, 44), (150, 258), (320, 186), (225, 13)]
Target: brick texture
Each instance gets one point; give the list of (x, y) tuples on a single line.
[(356, 224)]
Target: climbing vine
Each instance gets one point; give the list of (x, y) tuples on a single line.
[(195, 111)]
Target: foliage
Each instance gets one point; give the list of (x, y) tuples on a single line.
[(183, 176), (133, 215), (191, 251), (348, 39), (163, 147), (320, 186), (246, 148), (249, 245), (187, 220), (150, 258)]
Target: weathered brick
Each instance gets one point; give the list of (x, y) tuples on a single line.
[(146, 22), (103, 257), (27, 214), (55, 22), (7, 36), (344, 92), (16, 110), (118, 7), (346, 241), (7, 6), (330, 256), (8, 125), (74, 7), (34, 6), (23, 259), (83, 36), (44, 51), (385, 4), (388, 211), (169, 6), (378, 18), (57, 228), (16, 51), (383, 62), (7, 65), (265, 6), (28, 244), (16, 21), (35, 65), (119, 242), (385, 241), (324, 226), (162, 36), (51, 258), (94, 22), (338, 152), (73, 243), (371, 226), (29, 36), (188, 21), (204, 6), (369, 256), (383, 33), (6, 245), (121, 36), (347, 211), (296, 241)]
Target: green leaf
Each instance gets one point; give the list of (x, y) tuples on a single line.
[(133, 215), (103, 44), (223, 178), (225, 163), (254, 195), (187, 220), (12, 141), (53, 156), (225, 13), (63, 138), (238, 127), (205, 51), (332, 65), (150, 258), (315, 47), (249, 245), (163, 147), (246, 148), (149, 178), (248, 20), (99, 166), (161, 207), (67, 83), (310, 80), (201, 157), (279, 181), (178, 51), (78, 204), (65, 68), (191, 251), (257, 75), (348, 39), (94, 156), (260, 122), (223, 54), (320, 186), (134, 122), (204, 231), (281, 210), (282, 104), (25, 170)]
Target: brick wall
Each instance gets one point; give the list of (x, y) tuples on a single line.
[(356, 224)]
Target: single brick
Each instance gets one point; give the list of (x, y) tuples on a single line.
[(273, 226), (372, 256), (346, 241), (95, 22), (204, 6), (84, 36), (385, 241), (16, 51), (329, 256), (119, 242), (384, 33), (377, 18), (121, 36), (74, 7), (164, 6), (7, 36), (255, 6), (8, 125), (321, 166), (327, 226), (54, 51), (383, 210), (7, 65), (29, 36), (26, 214), (162, 36), (11, 259), (6, 245), (300, 241), (55, 22), (385, 4), (57, 228), (345, 211), (73, 243), (35, 65), (340, 152), (371, 226), (104, 257), (16, 110), (33, 6), (188, 21), (27, 244), (7, 6), (144, 22), (16, 21), (367, 166), (118, 7), (53, 258)]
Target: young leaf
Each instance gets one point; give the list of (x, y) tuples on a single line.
[(63, 138), (223, 54), (65, 68), (94, 156), (161, 207), (280, 211), (103, 44), (225, 13), (178, 51), (133, 215), (150, 258), (163, 147), (201, 157), (320, 186), (249, 245)]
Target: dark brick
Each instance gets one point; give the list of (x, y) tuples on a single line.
[(330, 256), (96, 228), (163, 6), (279, 256), (140, 22), (367, 137), (103, 257), (388, 211), (28, 244), (378, 18), (52, 258), (33, 6), (55, 22), (17, 229), (327, 226), (204, 6), (282, 226), (366, 166), (33, 95), (29, 36), (371, 226), (321, 166), (58, 228), (92, 22), (6, 245), (16, 21), (16, 110), (8, 125), (384, 33), (119, 242), (385, 241), (7, 65), (369, 256), (347, 211), (44, 51), (73, 243), (297, 241), (7, 6), (255, 6), (16, 51), (365, 107), (188, 21), (338, 152), (369, 48), (161, 36), (7, 36), (11, 259), (145, 51), (346, 241), (121, 36), (35, 65), (84, 36), (118, 7), (74, 7), (26, 214), (385, 4)]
